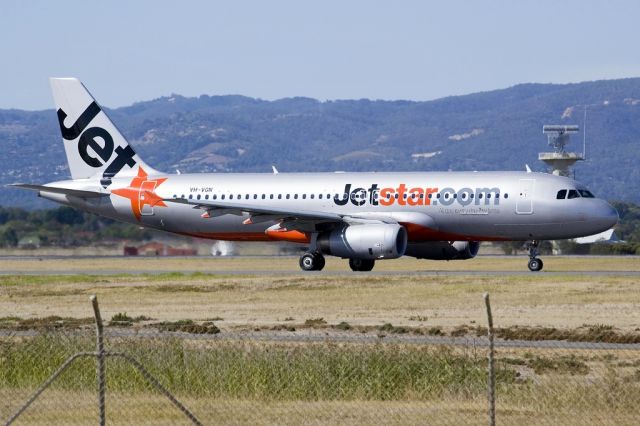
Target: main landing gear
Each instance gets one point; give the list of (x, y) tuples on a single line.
[(535, 264), (361, 265), (312, 261)]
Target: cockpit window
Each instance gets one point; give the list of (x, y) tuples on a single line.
[(562, 194), (573, 194), (585, 193)]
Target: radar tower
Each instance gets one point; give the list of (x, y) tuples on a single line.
[(560, 161)]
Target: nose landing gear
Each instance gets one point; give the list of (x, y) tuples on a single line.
[(535, 264)]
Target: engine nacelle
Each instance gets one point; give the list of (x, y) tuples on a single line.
[(368, 241), (443, 250)]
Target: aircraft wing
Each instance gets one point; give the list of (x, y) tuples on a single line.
[(301, 219), (57, 190), (217, 208)]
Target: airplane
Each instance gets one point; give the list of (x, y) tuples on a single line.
[(362, 217)]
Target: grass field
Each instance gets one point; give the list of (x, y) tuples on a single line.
[(203, 291), (264, 382), (241, 382)]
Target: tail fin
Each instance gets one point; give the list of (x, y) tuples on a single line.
[(94, 146)]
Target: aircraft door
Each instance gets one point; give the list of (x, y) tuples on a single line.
[(146, 208), (524, 204)]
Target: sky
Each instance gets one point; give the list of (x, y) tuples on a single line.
[(128, 51)]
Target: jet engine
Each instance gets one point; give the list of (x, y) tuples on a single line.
[(368, 241), (444, 250)]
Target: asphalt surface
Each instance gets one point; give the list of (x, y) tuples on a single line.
[(321, 273)]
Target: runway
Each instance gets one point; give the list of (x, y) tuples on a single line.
[(299, 273), (268, 266)]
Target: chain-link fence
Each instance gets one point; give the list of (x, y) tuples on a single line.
[(186, 373)]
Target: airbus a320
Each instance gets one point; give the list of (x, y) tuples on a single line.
[(362, 217)]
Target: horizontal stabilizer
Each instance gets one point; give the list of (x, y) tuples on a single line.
[(57, 190)]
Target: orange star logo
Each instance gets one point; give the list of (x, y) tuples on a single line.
[(141, 192)]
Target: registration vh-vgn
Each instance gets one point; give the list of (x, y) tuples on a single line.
[(362, 217)]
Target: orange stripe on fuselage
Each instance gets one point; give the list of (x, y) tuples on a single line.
[(290, 236)]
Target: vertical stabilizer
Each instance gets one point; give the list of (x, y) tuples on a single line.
[(93, 144)]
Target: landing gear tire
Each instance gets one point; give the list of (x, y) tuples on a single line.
[(535, 264), (312, 261), (361, 265)]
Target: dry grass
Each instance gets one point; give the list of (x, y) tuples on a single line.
[(563, 301), (554, 386)]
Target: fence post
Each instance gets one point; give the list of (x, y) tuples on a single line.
[(492, 376), (99, 359)]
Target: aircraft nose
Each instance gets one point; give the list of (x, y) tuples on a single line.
[(606, 215), (612, 216)]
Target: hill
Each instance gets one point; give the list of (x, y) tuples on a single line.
[(496, 130)]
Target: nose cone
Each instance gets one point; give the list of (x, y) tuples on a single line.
[(611, 216), (604, 215)]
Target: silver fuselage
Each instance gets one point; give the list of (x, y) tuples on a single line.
[(439, 206)]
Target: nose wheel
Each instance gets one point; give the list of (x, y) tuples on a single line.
[(535, 264), (312, 261)]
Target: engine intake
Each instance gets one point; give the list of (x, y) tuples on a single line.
[(443, 250), (369, 241)]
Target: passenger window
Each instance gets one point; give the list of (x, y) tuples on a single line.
[(506, 195), (214, 196), (573, 194), (264, 196), (190, 196), (320, 196), (206, 197), (295, 196), (561, 195), (585, 193), (310, 196), (231, 196), (222, 197)]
